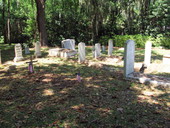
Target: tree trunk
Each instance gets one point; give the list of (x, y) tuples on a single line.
[(4, 23), (41, 21), (8, 24)]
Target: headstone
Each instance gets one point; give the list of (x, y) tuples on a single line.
[(18, 53), (129, 57), (97, 50), (103, 48), (68, 44), (110, 47), (166, 59), (27, 51), (148, 48), (81, 51), (37, 49), (93, 51)]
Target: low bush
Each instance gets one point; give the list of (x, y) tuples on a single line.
[(140, 40)]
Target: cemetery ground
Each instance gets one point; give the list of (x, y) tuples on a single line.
[(52, 97)]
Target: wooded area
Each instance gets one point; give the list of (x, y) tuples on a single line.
[(90, 21)]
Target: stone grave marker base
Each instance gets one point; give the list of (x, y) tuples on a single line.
[(61, 52), (16, 59), (149, 79), (166, 59)]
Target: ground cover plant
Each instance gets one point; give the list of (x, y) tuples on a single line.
[(52, 97)]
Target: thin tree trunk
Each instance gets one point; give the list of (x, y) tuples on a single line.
[(4, 22), (41, 21), (8, 25)]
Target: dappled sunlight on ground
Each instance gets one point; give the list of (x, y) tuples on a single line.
[(52, 97), (48, 92)]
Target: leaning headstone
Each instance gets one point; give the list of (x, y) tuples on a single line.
[(81, 51), (129, 57), (68, 44), (110, 47), (18, 53), (97, 50), (148, 48), (103, 48), (27, 51), (37, 49)]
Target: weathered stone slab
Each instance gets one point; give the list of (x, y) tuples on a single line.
[(166, 59), (55, 52), (68, 44), (97, 50), (129, 57), (81, 52), (18, 53), (148, 49), (27, 51), (67, 53), (62, 52), (150, 79), (38, 49), (110, 47), (103, 48)]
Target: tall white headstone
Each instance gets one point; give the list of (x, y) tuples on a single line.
[(129, 57), (97, 50), (110, 47), (37, 49), (81, 52), (148, 49), (18, 53)]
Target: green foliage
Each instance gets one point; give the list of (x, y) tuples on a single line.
[(1, 39), (140, 40), (91, 21)]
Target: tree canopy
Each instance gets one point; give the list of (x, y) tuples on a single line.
[(83, 20)]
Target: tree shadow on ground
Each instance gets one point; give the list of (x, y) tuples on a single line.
[(52, 97)]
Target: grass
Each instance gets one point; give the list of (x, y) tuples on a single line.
[(52, 97)]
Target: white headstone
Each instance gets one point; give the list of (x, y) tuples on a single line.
[(166, 59), (82, 53), (93, 51), (97, 50), (68, 44), (110, 47), (103, 48), (18, 53), (37, 49), (129, 57), (27, 51), (148, 49)]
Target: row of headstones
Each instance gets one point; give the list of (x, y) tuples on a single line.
[(18, 51), (96, 50), (70, 44)]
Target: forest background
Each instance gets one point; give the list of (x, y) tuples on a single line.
[(89, 21)]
